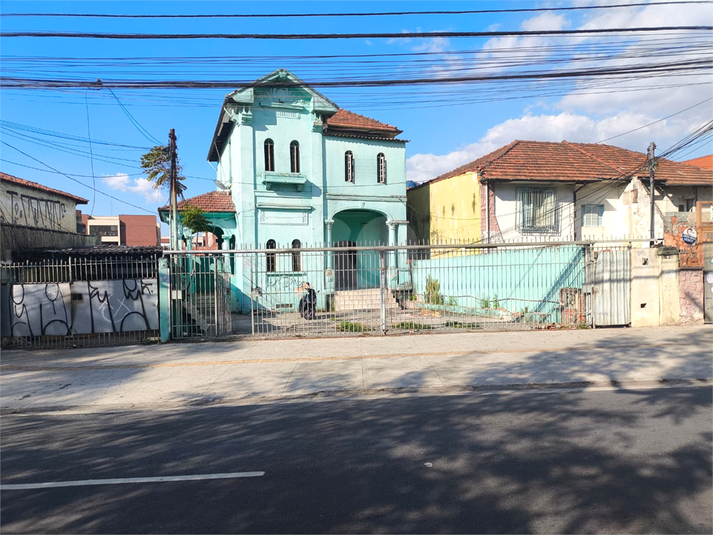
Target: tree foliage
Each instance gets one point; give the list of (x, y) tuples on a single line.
[(156, 164), (194, 219)]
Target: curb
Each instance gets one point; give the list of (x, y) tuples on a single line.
[(326, 395)]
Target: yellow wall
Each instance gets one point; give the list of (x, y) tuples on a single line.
[(455, 209)]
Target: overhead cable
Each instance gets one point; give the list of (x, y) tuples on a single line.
[(386, 35)]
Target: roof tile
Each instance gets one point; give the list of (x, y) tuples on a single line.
[(348, 119), (576, 162), (213, 201), (40, 187)]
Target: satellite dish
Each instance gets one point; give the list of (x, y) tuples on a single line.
[(222, 186)]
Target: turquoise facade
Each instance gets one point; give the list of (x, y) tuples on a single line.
[(277, 200)]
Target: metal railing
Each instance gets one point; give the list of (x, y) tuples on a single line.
[(415, 288), (199, 296)]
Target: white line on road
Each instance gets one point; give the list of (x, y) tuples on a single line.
[(122, 480)]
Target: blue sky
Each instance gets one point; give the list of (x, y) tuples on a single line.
[(447, 125)]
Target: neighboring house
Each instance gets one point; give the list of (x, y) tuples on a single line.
[(554, 191), (706, 162), (35, 216), (131, 230), (300, 171)]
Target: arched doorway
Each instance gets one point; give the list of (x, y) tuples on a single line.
[(354, 270)]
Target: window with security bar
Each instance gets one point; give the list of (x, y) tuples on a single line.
[(592, 215), (537, 209)]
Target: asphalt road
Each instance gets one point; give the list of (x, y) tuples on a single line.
[(501, 462)]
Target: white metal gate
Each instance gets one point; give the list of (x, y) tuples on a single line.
[(611, 290)]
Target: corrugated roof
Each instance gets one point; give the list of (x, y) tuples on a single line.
[(213, 201), (575, 162), (40, 187)]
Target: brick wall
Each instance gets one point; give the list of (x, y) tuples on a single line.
[(140, 230), (691, 295), (689, 255)]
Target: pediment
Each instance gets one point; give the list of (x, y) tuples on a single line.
[(283, 89)]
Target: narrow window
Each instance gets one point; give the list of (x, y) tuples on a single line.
[(381, 168), (296, 260), (269, 155), (348, 166), (294, 157), (271, 267)]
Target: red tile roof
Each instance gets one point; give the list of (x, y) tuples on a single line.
[(575, 162), (40, 187), (706, 162), (351, 120), (213, 201)]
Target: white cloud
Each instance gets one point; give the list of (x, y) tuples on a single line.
[(139, 186), (596, 109)]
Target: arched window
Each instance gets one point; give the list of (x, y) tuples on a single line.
[(348, 166), (294, 157), (270, 257), (381, 168), (269, 155), (296, 260)]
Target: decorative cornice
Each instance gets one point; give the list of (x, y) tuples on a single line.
[(353, 197)]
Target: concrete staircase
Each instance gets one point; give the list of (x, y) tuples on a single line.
[(369, 299)]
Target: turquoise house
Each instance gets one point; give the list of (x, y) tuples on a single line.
[(301, 172)]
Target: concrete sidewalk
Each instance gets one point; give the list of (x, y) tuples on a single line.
[(176, 375)]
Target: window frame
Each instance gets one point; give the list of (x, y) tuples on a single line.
[(349, 173), (296, 256), (528, 213), (269, 148), (381, 168), (271, 258), (294, 156), (596, 210)]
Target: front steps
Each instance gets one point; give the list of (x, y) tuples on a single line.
[(369, 299)]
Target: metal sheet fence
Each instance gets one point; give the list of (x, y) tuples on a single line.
[(396, 289), (79, 302)]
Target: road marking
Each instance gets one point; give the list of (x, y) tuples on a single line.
[(123, 480)]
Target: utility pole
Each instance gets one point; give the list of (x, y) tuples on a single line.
[(174, 208), (652, 173)]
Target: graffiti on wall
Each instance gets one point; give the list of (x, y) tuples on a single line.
[(83, 307), (40, 309), (36, 212), (116, 305)]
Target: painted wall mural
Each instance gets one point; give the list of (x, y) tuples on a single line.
[(82, 307)]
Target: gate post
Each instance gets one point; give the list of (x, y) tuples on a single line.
[(164, 299), (382, 288)]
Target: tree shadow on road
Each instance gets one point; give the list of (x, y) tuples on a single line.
[(519, 462)]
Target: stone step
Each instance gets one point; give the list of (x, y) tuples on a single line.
[(368, 299)]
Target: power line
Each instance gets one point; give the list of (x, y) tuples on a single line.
[(133, 121), (366, 14), (650, 68), (74, 179), (320, 36), (657, 121)]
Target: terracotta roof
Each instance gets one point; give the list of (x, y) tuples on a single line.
[(40, 187), (213, 201), (359, 136), (706, 162), (350, 120), (575, 162)]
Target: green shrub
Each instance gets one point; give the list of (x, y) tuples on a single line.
[(411, 326), (433, 291)]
